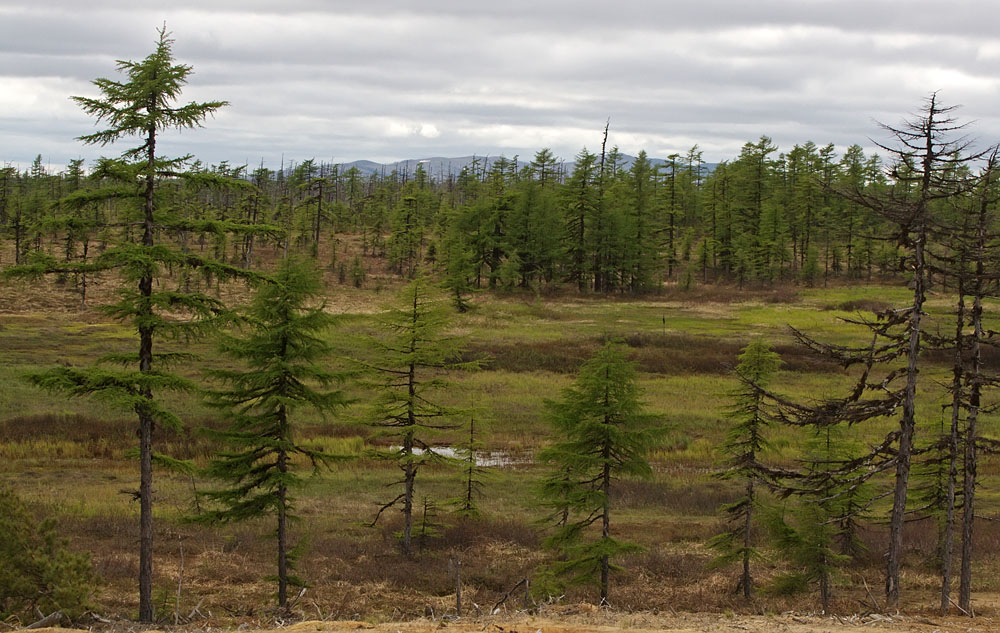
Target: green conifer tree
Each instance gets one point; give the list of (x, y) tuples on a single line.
[(282, 352), (143, 105), (603, 435), (410, 355), (37, 571), (458, 270), (742, 449), (467, 504), (579, 204), (817, 535)]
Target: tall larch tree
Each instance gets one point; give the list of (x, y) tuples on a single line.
[(143, 105), (580, 201), (928, 153)]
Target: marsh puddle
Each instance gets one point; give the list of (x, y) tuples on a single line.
[(486, 459)]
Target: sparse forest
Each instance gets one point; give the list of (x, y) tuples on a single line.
[(758, 385)]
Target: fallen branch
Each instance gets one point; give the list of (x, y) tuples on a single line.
[(955, 604), (49, 620), (180, 583), (319, 613), (869, 592), (196, 611), (97, 618), (507, 595), (296, 599)]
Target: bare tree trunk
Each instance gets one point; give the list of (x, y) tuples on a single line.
[(409, 474), (249, 237), (824, 586), (956, 408), (971, 431), (83, 276), (145, 513), (458, 585), (969, 461), (18, 235), (319, 215), (599, 281), (907, 424)]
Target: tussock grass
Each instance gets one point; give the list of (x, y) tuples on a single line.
[(71, 458)]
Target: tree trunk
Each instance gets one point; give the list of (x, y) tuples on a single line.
[(746, 581), (458, 585), (824, 585), (282, 535), (969, 462), (146, 424), (907, 423), (956, 408), (409, 469), (971, 432), (83, 276), (145, 513), (606, 522), (409, 474), (18, 233)]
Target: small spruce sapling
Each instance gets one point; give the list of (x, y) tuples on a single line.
[(37, 571)]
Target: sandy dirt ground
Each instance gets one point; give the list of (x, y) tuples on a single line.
[(587, 619)]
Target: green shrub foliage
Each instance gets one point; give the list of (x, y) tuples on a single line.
[(37, 570)]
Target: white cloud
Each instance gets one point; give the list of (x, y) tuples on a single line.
[(397, 79)]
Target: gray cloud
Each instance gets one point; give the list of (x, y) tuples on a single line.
[(394, 79)]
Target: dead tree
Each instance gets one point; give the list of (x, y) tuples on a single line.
[(930, 154), (969, 256)]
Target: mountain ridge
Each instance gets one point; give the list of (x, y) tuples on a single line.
[(442, 167)]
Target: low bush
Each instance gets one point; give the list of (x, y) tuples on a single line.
[(37, 571)]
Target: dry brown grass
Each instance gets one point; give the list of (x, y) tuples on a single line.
[(357, 571), (654, 352)]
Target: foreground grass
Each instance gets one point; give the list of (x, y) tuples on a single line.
[(71, 459)]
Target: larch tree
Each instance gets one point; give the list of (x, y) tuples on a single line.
[(818, 533), (38, 573), (929, 156), (458, 270), (282, 351), (928, 175), (976, 378), (580, 200), (970, 239), (467, 504), (602, 435), (409, 357), (143, 105), (742, 451)]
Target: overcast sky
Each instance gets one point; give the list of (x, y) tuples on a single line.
[(394, 79)]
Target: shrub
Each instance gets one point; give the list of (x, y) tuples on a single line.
[(36, 568)]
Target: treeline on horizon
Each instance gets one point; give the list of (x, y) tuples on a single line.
[(762, 218)]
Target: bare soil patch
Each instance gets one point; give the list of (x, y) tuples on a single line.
[(586, 618)]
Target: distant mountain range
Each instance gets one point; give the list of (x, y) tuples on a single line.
[(439, 168)]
